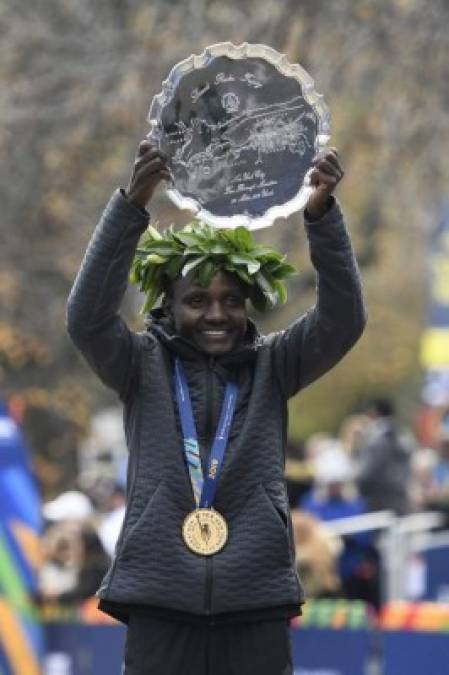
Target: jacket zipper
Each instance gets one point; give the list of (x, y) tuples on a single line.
[(209, 432)]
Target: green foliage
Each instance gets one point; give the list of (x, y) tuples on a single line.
[(202, 251)]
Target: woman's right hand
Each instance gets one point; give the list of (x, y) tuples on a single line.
[(150, 167)]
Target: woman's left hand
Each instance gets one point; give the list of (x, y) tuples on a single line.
[(326, 174)]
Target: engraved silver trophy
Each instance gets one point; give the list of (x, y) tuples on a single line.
[(240, 126)]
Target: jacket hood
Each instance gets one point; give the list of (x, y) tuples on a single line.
[(160, 325)]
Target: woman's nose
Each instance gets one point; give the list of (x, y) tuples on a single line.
[(215, 313)]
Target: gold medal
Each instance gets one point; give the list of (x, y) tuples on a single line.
[(205, 531)]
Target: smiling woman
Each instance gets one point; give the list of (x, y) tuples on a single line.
[(205, 561)]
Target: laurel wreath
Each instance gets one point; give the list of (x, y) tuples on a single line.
[(201, 251)]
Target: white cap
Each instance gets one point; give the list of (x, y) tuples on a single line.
[(71, 505), (332, 464)]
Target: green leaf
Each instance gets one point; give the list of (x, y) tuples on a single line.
[(270, 256), (150, 300), (263, 251), (243, 238), (244, 276), (267, 287), (149, 276), (219, 249), (141, 253), (258, 299), (283, 270), (205, 273), (156, 259), (163, 248), (153, 233), (134, 275), (174, 267), (281, 291), (251, 264), (188, 267), (194, 250), (228, 236), (188, 239)]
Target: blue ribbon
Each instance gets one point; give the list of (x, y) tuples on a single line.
[(203, 488)]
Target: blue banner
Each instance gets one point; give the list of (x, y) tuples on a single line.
[(21, 637), (85, 650), (416, 653), (318, 651)]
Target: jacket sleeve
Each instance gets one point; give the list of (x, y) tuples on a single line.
[(93, 321), (316, 341)]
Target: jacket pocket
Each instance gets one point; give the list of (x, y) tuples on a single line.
[(255, 569), (278, 498), (134, 530)]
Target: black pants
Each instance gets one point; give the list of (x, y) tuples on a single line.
[(158, 647)]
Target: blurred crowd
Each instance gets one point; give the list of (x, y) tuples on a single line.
[(372, 465), (80, 532)]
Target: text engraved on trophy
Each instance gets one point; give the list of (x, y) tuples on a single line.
[(265, 130), (240, 127), (222, 78), (250, 185)]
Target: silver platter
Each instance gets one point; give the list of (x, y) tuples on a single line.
[(240, 126)]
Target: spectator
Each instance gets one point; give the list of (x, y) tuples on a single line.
[(59, 569), (93, 563), (436, 496), (71, 505), (317, 551), (352, 432), (424, 462), (335, 496), (110, 527), (298, 472), (75, 565), (384, 463)]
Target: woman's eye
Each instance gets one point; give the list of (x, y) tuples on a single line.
[(196, 301), (234, 300)]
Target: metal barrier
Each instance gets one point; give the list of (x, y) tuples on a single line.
[(399, 538)]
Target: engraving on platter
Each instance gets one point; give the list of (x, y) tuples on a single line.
[(266, 129), (240, 132)]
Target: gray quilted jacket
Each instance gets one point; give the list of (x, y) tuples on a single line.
[(255, 574)]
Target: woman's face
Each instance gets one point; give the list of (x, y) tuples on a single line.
[(213, 318)]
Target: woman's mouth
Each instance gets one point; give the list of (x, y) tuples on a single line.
[(215, 334)]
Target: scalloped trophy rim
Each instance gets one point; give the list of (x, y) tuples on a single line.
[(283, 65)]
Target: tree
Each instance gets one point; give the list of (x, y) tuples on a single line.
[(78, 79)]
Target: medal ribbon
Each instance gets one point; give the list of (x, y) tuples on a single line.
[(203, 488)]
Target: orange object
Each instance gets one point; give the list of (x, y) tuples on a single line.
[(393, 616), (92, 615)]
